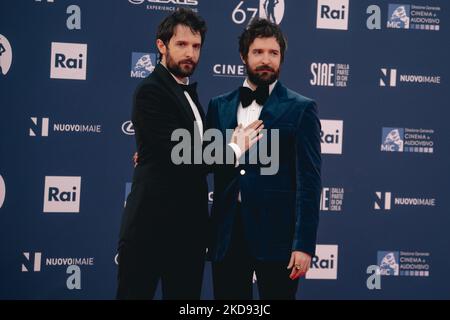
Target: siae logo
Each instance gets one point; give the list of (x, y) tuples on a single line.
[(272, 10), (62, 194), (329, 74), (331, 199), (68, 61), (323, 74)]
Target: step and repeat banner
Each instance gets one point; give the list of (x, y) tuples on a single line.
[(378, 70)]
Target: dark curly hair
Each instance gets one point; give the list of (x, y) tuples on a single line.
[(185, 17), (261, 28)]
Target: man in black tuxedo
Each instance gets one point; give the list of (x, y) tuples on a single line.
[(164, 226)]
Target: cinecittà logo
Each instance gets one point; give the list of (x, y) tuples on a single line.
[(229, 70)]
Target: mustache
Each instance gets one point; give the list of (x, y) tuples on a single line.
[(187, 61), (264, 68)]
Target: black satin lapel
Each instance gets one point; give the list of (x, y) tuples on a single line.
[(171, 83)]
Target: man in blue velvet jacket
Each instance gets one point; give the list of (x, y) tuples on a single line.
[(265, 223)]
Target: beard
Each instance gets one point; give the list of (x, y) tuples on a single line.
[(262, 75), (181, 69)]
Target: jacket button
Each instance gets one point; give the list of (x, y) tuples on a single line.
[(242, 172)]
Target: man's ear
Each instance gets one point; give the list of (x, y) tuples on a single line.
[(161, 47), (243, 60)]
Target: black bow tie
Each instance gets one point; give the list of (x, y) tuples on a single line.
[(247, 95), (190, 88)]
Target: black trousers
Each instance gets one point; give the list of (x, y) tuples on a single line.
[(232, 277), (180, 270)]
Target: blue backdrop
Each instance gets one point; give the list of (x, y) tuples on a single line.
[(378, 70)]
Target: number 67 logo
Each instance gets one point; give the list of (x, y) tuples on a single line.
[(272, 10)]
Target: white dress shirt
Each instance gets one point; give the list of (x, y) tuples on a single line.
[(245, 116), (194, 107)]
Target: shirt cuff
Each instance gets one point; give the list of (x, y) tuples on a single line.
[(237, 152)]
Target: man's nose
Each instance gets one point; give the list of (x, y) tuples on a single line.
[(189, 52), (265, 59)]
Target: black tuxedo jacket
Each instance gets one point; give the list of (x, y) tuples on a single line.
[(167, 207)]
